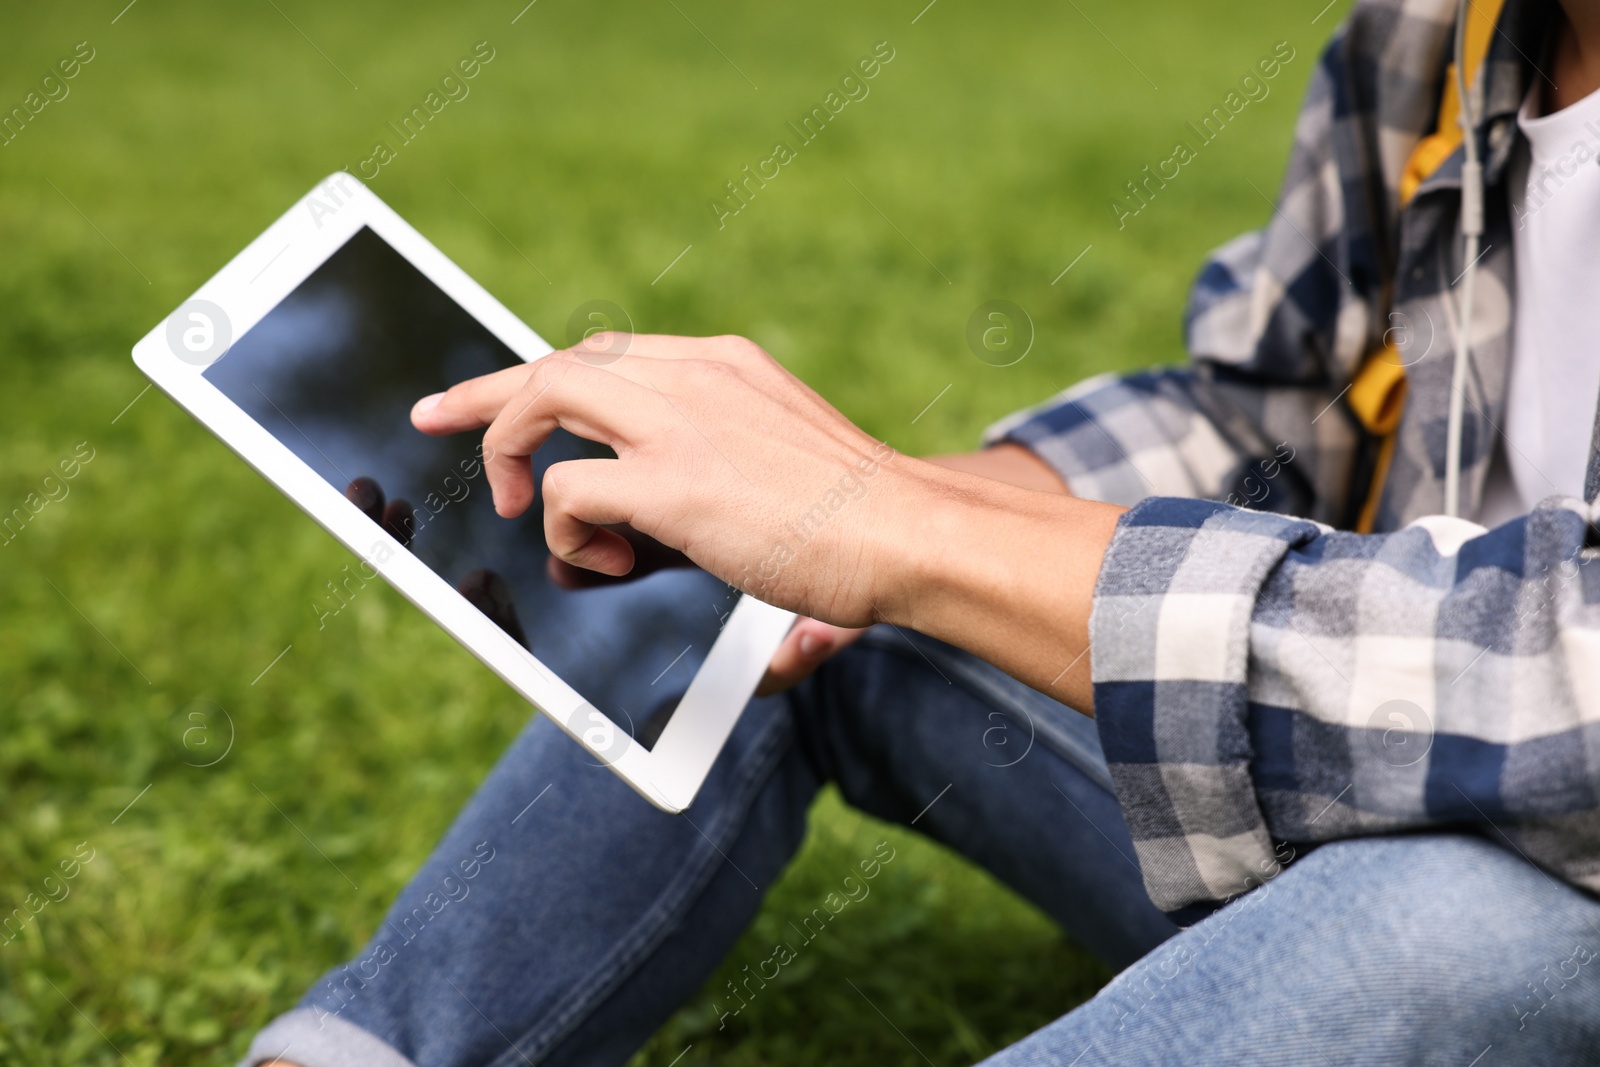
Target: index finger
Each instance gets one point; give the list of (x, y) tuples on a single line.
[(469, 405), (477, 402)]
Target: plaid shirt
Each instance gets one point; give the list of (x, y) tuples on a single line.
[(1260, 677)]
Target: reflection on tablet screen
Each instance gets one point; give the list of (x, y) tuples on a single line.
[(332, 373)]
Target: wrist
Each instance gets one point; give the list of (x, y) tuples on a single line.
[(1004, 572), (953, 545), (909, 497)]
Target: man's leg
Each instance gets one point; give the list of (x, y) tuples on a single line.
[(580, 884), (978, 761), (563, 919), (1436, 949)]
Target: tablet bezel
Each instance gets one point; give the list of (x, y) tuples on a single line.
[(670, 772)]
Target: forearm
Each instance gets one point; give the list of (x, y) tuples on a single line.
[(1006, 573)]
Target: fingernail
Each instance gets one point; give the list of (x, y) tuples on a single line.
[(812, 645), (426, 404)]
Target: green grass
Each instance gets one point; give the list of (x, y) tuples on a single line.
[(171, 575)]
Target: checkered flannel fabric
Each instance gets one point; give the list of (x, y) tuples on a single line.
[(1280, 320), (1262, 677)]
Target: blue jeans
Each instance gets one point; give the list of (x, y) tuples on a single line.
[(567, 931)]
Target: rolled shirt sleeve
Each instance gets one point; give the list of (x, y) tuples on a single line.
[(1193, 432), (1121, 439), (1260, 678), (1170, 651)]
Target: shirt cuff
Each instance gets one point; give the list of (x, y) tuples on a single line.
[(1170, 660), (1065, 433), (1123, 438)]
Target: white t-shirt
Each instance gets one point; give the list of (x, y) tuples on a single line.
[(1555, 356)]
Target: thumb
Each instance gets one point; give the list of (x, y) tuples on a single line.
[(809, 645)]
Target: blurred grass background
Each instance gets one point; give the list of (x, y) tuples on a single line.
[(171, 575)]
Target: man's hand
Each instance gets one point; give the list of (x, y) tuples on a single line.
[(721, 454)]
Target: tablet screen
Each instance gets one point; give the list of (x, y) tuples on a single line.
[(332, 372)]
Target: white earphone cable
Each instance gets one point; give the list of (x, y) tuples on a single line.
[(1471, 233)]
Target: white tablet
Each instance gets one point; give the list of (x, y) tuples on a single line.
[(304, 355)]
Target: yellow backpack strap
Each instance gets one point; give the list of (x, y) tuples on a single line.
[(1377, 395), (1378, 398)]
